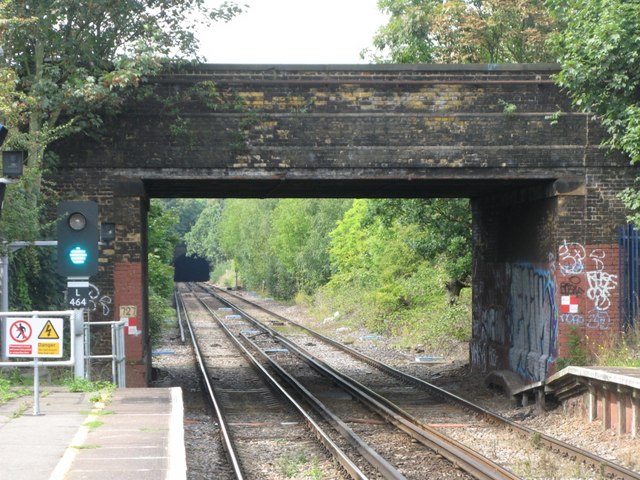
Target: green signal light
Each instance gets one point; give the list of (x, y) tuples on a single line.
[(78, 256)]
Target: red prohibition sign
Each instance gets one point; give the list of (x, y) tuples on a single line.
[(20, 331)]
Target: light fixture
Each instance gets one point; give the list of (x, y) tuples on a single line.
[(12, 163)]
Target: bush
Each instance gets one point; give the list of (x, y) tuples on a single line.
[(159, 311)]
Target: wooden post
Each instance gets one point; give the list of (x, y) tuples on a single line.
[(622, 411), (606, 410), (593, 402)]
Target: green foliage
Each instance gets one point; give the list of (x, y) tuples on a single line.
[(163, 239), (78, 384), (385, 263), (188, 211), (300, 239), (32, 284), (578, 355), (202, 238), (508, 108), (622, 350), (163, 236), (388, 272), (278, 246), (66, 67), (462, 31), (296, 462), (12, 385), (598, 49), (243, 235), (442, 231), (159, 311)]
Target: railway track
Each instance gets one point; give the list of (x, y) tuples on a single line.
[(255, 422), (382, 441), (408, 398)]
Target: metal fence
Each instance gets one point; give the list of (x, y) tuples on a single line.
[(117, 355), (629, 240)]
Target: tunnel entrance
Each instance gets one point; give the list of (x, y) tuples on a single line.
[(189, 268)]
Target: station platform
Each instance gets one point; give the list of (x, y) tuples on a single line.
[(609, 394), (137, 434)]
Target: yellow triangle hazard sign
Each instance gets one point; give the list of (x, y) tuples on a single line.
[(48, 332)]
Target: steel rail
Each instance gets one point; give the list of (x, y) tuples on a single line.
[(341, 457), (227, 441), (608, 468), (464, 457), (180, 327)]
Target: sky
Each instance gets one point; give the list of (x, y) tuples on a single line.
[(294, 32)]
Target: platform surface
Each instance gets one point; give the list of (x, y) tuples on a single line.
[(627, 376), (137, 434)]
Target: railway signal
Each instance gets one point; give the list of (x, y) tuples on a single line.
[(77, 239)]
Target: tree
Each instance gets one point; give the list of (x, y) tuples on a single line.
[(463, 31), (300, 239), (203, 237), (442, 233), (188, 211), (599, 52), (454, 31), (68, 63), (243, 235)]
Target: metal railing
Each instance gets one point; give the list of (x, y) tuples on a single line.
[(117, 355)]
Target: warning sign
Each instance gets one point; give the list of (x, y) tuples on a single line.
[(22, 343), (49, 332), (49, 349), (20, 331)]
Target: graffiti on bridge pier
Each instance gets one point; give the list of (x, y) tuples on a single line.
[(584, 267)]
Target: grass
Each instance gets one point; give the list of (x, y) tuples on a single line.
[(101, 390), (12, 385), (428, 320), (620, 350), (93, 424), (20, 411), (99, 413), (296, 462)]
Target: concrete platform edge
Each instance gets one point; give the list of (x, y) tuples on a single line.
[(177, 454)]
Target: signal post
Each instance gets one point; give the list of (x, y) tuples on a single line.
[(77, 259)]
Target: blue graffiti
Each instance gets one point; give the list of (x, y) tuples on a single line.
[(534, 320)]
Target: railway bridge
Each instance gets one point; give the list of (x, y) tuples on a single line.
[(543, 192)]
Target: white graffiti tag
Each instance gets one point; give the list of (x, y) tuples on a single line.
[(598, 256), (598, 320), (95, 299), (600, 286), (572, 257), (572, 318)]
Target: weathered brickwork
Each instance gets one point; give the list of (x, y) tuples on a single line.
[(128, 279), (538, 180)]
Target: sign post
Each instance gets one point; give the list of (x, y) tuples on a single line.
[(78, 299), (34, 337)]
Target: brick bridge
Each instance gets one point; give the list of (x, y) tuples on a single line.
[(543, 194)]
